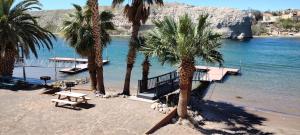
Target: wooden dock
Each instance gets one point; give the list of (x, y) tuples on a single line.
[(216, 73), (79, 60), (79, 68), (72, 70), (62, 59)]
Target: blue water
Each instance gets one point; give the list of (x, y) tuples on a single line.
[(270, 71)]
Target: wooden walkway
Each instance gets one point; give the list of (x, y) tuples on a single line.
[(79, 68), (62, 59), (161, 85), (216, 73)]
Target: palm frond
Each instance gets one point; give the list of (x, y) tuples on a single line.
[(18, 27), (77, 29), (173, 42), (116, 2)]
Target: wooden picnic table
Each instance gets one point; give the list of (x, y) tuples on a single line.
[(66, 97)]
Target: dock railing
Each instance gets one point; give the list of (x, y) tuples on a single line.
[(166, 83), (155, 81)]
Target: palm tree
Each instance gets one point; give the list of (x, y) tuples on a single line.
[(78, 30), (140, 42), (20, 29), (145, 71), (137, 12), (183, 43), (98, 48)]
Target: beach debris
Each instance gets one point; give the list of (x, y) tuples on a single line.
[(166, 110), (239, 97), (106, 96), (198, 118), (154, 105), (115, 95), (162, 108)]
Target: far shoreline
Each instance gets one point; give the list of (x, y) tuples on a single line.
[(253, 37), (278, 36)]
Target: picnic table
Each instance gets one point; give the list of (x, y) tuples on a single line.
[(70, 98)]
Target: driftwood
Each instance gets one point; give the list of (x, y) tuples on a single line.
[(166, 120)]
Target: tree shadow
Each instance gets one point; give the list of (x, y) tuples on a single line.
[(201, 90), (20, 86), (16, 84), (235, 118)]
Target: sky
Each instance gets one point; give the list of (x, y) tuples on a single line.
[(240, 4)]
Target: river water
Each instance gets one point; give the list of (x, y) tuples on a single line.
[(270, 78)]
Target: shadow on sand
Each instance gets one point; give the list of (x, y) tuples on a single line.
[(78, 107), (235, 118), (16, 84), (20, 86)]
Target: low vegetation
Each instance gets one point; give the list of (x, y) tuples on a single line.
[(259, 29), (288, 24)]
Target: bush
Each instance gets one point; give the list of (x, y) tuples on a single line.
[(259, 29), (288, 24)]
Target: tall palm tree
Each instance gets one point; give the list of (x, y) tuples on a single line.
[(140, 42), (98, 48), (137, 12), (19, 28), (145, 72), (78, 30), (183, 43)]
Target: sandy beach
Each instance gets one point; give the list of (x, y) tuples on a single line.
[(30, 112)]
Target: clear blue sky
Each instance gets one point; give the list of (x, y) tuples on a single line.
[(240, 4)]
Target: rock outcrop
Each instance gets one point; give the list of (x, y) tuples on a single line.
[(231, 23)]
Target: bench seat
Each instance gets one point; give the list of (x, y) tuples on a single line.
[(86, 98), (63, 101)]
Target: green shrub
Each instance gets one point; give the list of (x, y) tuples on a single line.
[(259, 29), (288, 24)]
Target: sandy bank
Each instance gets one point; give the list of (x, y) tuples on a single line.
[(30, 112)]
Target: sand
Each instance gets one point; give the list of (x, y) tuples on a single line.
[(30, 112)]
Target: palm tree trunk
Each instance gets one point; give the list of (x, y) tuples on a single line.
[(100, 81), (186, 72), (146, 66), (92, 71), (131, 56), (8, 63), (189, 90), (93, 4)]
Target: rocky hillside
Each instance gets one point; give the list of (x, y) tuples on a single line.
[(231, 23)]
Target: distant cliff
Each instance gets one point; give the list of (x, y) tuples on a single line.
[(231, 23)]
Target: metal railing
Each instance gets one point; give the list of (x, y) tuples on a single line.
[(166, 83)]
